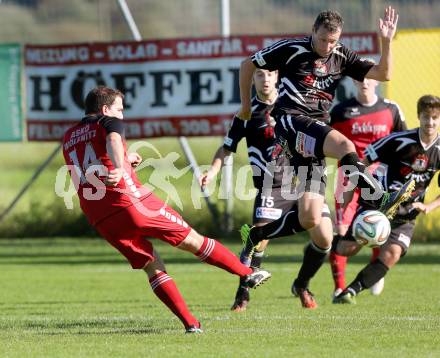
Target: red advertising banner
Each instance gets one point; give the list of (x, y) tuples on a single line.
[(179, 87)]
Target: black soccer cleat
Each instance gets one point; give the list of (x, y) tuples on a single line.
[(391, 201), (345, 297), (256, 278), (242, 299)]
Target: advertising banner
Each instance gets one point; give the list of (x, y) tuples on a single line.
[(180, 87), (10, 93)]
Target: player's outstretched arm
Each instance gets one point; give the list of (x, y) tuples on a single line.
[(387, 30), (247, 70), (216, 165), (427, 208)]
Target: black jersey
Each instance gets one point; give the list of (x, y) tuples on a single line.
[(403, 157), (307, 81), (260, 141)]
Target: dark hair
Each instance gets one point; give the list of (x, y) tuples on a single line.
[(331, 20), (100, 96), (427, 102)]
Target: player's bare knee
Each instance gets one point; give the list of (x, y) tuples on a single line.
[(152, 268), (390, 255), (345, 146)]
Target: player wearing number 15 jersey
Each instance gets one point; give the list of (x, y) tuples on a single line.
[(125, 213)]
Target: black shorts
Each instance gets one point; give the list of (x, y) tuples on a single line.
[(270, 204), (301, 138), (401, 234)]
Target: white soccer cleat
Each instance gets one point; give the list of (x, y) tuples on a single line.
[(377, 288), (337, 292)]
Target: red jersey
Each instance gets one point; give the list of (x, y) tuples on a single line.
[(364, 125), (84, 150)]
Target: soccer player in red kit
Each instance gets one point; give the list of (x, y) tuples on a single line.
[(363, 119), (126, 213)]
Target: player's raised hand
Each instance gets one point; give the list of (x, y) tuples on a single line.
[(388, 25)]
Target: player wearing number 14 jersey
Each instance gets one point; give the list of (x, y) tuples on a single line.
[(125, 213)]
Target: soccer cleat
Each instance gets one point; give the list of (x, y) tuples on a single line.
[(391, 201), (241, 299), (306, 297), (248, 245), (337, 292), (377, 288), (194, 329), (256, 278), (345, 297)]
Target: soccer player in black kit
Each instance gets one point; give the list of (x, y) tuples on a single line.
[(363, 119), (310, 70), (412, 154), (273, 181)]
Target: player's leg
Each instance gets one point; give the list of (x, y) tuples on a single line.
[(337, 146), (304, 214), (314, 256), (242, 295), (155, 219), (343, 218), (166, 290), (390, 253), (378, 287), (122, 233), (269, 205)]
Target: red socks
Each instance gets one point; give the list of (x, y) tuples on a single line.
[(214, 253), (165, 288), (375, 251), (337, 264)]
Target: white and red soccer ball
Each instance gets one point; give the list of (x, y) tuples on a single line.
[(371, 228)]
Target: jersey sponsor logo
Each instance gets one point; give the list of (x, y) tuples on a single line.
[(305, 145), (320, 69), (268, 213), (227, 141), (420, 163), (368, 127), (281, 149), (405, 239)]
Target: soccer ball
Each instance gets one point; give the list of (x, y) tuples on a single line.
[(371, 228)]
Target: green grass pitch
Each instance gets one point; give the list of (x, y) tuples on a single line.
[(79, 298)]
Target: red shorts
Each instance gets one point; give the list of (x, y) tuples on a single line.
[(129, 229)]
